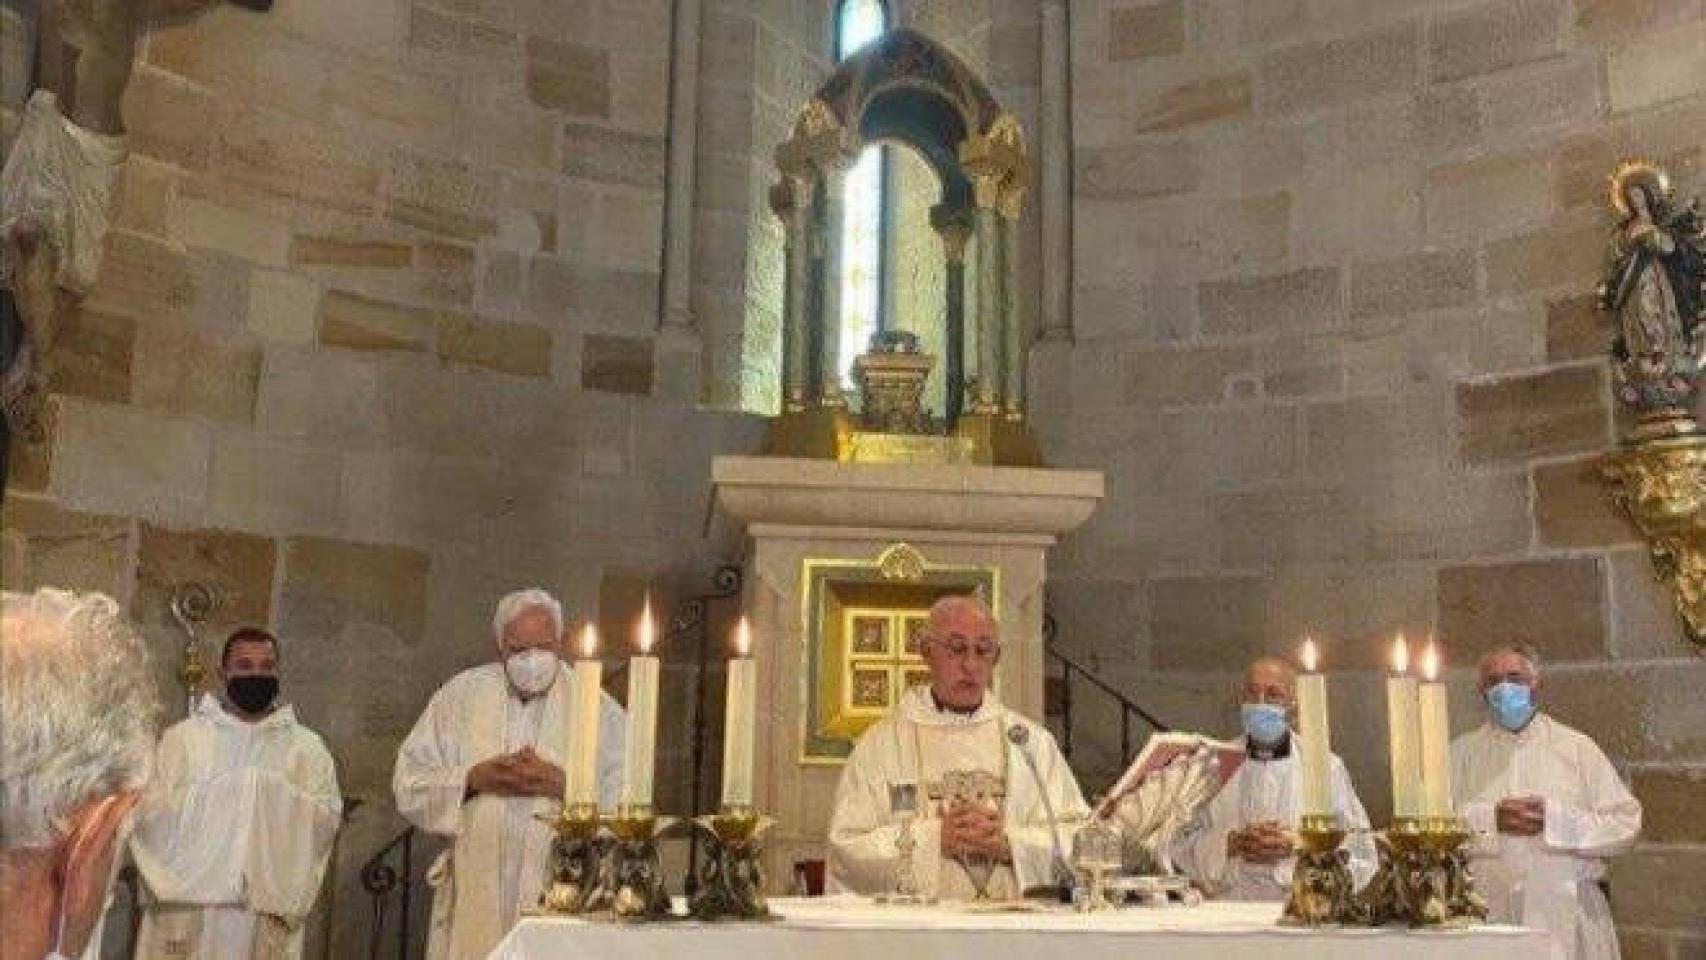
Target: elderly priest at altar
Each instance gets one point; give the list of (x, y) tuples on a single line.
[(980, 795), (484, 763)]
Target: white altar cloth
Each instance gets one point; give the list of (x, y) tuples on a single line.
[(833, 928)]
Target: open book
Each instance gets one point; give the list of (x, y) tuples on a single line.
[(1200, 767)]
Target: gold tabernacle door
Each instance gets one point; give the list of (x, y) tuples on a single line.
[(863, 620)]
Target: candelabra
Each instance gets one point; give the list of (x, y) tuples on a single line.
[(579, 881), (1423, 879), (1322, 890), (636, 870), (730, 883)]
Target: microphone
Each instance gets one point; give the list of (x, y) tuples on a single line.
[(1020, 737)]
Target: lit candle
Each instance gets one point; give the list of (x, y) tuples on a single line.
[(580, 785), (639, 761), (1401, 722), (1435, 737), (739, 718), (1315, 734)]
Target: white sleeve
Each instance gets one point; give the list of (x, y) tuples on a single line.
[(296, 818), (1032, 842), (190, 842), (432, 774), (862, 844), (1609, 821), (612, 748)]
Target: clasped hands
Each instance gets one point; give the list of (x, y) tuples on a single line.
[(522, 773), (1266, 842), (970, 829), (1521, 816)]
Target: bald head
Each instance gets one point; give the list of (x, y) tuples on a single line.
[(1269, 680), (1513, 662), (961, 646)]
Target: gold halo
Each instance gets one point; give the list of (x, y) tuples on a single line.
[(1637, 173)]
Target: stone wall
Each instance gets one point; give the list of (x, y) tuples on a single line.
[(1335, 350), (373, 344)]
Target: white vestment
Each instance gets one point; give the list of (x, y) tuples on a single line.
[(233, 836), (1550, 881), (918, 744), (501, 851), (1263, 790)]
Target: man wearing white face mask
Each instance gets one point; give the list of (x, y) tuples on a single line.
[(1241, 846), (484, 762), (1546, 807), (76, 738)]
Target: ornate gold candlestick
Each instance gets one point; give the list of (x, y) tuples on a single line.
[(579, 882), (1423, 879), (1322, 890), (731, 881), (636, 870)]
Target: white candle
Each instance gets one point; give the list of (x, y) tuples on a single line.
[(639, 762), (1435, 738), (1401, 723), (1316, 735), (580, 782), (739, 719)]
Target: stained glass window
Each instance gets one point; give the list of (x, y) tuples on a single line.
[(857, 23)]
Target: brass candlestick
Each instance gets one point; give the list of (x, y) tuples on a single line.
[(731, 880), (1423, 879), (1322, 890), (579, 882), (636, 870)]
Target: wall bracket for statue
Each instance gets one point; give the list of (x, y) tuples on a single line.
[(1655, 291)]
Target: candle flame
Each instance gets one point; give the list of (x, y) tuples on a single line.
[(743, 638), (1400, 655), (1430, 662), (589, 641), (1308, 656), (648, 629)]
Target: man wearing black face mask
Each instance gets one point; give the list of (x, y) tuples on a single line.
[(233, 835)]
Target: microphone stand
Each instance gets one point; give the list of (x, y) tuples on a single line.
[(1020, 738)]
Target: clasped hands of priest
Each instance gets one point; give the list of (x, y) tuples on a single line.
[(974, 829), (520, 773), (1266, 842)]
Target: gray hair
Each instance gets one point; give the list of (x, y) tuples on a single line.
[(948, 605), (1521, 648), (78, 711), (515, 604)]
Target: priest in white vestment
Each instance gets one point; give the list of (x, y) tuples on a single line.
[(1241, 844), (1546, 807), (977, 796), (483, 764), (233, 835)]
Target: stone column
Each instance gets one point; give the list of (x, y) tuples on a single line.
[(677, 309), (1055, 151), (791, 201), (834, 185), (1013, 333), (954, 227), (990, 283)]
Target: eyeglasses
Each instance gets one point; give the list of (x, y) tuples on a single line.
[(983, 651)]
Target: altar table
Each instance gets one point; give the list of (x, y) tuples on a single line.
[(850, 928)]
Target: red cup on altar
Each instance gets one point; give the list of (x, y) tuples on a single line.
[(808, 877)]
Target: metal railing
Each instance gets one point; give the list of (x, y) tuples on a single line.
[(384, 874), (1073, 670)]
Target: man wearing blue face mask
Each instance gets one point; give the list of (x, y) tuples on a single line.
[(1241, 846), (1546, 806)]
